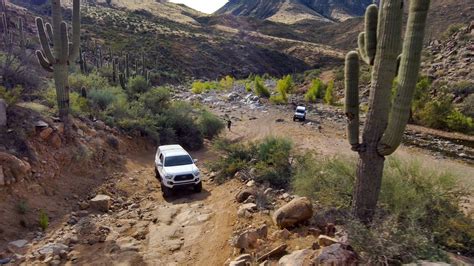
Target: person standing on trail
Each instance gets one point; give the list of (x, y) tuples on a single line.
[(229, 124)]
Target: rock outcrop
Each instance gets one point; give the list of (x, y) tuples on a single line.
[(296, 211)]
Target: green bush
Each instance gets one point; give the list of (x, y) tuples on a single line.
[(329, 181), (315, 91), (210, 124), (260, 88), (156, 100), (418, 208), (226, 83), (452, 29), (136, 86), (181, 126), (236, 157), (270, 159), (273, 161), (104, 98), (11, 96), (467, 106), (285, 85), (91, 82), (458, 122), (43, 220), (199, 87), (434, 113), (328, 96)]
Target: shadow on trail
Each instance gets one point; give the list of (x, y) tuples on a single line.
[(186, 195)]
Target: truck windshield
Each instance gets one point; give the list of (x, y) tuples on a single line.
[(178, 160)]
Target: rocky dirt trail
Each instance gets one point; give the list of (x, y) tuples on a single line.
[(141, 227)]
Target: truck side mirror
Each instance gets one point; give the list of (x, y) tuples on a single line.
[(195, 160)]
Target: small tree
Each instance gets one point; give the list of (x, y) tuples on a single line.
[(260, 88)]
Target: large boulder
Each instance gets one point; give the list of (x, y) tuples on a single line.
[(244, 194), (13, 169), (3, 113), (296, 258), (337, 254), (296, 211), (101, 203)]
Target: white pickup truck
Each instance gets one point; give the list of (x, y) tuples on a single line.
[(300, 113), (174, 167)]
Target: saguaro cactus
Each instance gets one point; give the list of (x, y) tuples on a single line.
[(64, 53), (379, 46)]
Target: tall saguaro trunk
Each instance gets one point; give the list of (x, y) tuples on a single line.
[(380, 47), (64, 53)]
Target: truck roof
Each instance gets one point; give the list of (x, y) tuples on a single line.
[(172, 150), (302, 108)]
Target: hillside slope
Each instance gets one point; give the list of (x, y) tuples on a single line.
[(292, 11)]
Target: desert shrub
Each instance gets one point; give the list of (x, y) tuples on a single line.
[(280, 98), (91, 82), (328, 96), (199, 87), (459, 122), (156, 100), (387, 242), (22, 207), (260, 88), (312, 74), (78, 104), (285, 85), (181, 126), (463, 87), (273, 161), (103, 98), (226, 83), (327, 180), (236, 157), (136, 86), (11, 96), (418, 208), (315, 91), (210, 124), (434, 113), (452, 29), (467, 107), (43, 220)]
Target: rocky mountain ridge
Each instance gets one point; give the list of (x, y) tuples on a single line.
[(293, 11)]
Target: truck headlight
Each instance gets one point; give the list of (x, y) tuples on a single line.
[(168, 176), (196, 173)]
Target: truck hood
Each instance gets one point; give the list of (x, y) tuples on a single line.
[(180, 170)]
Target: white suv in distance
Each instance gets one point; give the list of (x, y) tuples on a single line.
[(174, 167)]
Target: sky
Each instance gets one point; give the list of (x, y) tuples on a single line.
[(206, 6)]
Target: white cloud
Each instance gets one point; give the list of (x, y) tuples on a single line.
[(206, 6)]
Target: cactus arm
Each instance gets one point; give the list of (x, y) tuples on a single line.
[(371, 21), (63, 57), (49, 31), (407, 78), (57, 19), (5, 24), (43, 61), (352, 98), (76, 30), (44, 41), (362, 50), (122, 81)]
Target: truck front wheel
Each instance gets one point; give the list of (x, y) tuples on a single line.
[(198, 187), (167, 192)]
